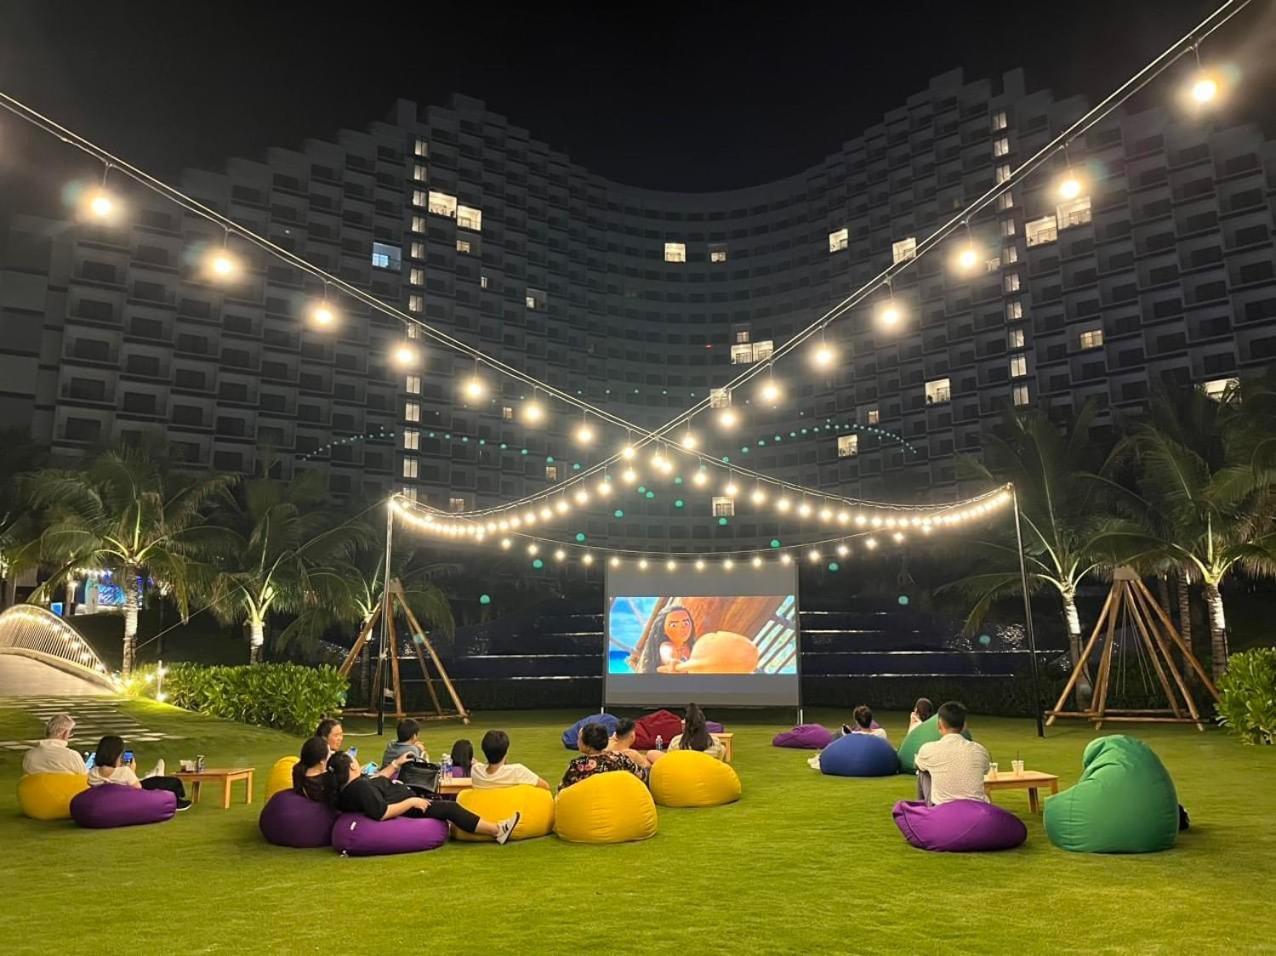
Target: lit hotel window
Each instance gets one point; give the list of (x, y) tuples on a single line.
[(416, 276), (742, 354), (937, 391), (412, 411), (675, 252), (417, 250), (418, 172), (1000, 147), (412, 384), (1019, 394), (551, 472), (999, 121), (1014, 311), (386, 256), (1219, 388), (420, 148), (1075, 212), (534, 299), (411, 439), (848, 446), (1091, 339), (904, 249), (873, 416), (441, 204), (416, 303), (717, 253), (723, 507), (1014, 338), (469, 218), (839, 240), (456, 504), (409, 467), (1003, 173), (1018, 366), (463, 246)]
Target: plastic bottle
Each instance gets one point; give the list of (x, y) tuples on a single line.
[(660, 742), (446, 763)]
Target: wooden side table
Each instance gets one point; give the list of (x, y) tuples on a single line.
[(1030, 780), (725, 738), (451, 786), (226, 776)]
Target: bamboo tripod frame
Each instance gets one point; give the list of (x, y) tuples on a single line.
[(420, 647), (1159, 637)]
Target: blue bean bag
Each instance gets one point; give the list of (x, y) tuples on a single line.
[(113, 805), (960, 826), (356, 835), (572, 733), (859, 755), (289, 819)]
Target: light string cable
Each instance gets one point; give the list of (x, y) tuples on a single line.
[(1109, 104)]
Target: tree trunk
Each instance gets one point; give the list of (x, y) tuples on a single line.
[(365, 667), (1163, 592), (256, 638), (1072, 620), (1218, 630), (68, 602), (11, 589), (132, 601), (1183, 587)]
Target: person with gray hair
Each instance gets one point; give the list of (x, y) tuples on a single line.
[(52, 755)]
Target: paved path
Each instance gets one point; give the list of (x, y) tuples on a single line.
[(94, 719), (24, 677)]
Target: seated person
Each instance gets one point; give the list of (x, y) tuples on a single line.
[(923, 710), (695, 736), (309, 773), (52, 755), (863, 723), (380, 798), (496, 772), (330, 730), (952, 767), (622, 742), (596, 758), (111, 769), (408, 733), (462, 758)]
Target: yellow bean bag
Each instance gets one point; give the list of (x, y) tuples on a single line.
[(688, 778), (535, 804), (612, 807), (280, 776), (47, 796)]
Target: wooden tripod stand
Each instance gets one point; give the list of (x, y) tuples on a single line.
[(420, 647), (1158, 636)]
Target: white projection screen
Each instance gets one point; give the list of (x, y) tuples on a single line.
[(717, 636)]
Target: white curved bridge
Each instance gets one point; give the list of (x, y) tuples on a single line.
[(41, 654)]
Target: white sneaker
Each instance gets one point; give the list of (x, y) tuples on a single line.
[(157, 770), (506, 827)]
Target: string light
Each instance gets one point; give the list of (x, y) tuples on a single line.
[(771, 392), (642, 564), (728, 419), (813, 555), (475, 388), (628, 452), (824, 355), (587, 558), (889, 314), (671, 565), (405, 355), (758, 496), (757, 561), (584, 433), (728, 564), (533, 411), (689, 440), (700, 478), (323, 315)]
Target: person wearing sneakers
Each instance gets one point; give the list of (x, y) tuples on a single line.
[(380, 798), (111, 768)]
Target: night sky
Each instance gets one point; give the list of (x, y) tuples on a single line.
[(686, 97)]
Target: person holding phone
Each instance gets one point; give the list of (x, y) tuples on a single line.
[(113, 765)]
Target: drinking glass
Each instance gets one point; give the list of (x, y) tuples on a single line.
[(992, 770), (1017, 766)]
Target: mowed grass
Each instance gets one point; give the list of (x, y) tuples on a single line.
[(803, 863)]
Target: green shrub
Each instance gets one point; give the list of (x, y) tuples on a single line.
[(284, 696), (1247, 695)]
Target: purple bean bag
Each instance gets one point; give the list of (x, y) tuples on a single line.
[(714, 727), (112, 805), (804, 737), (289, 819), (355, 835), (962, 826)]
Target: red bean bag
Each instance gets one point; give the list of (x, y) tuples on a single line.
[(289, 819), (112, 805), (960, 826), (804, 737), (355, 835), (667, 725)]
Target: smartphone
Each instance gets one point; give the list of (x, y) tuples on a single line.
[(89, 761), (128, 756), (354, 753)]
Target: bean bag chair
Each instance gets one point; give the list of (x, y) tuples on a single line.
[(1125, 802), (688, 778), (859, 755), (722, 652), (572, 733), (923, 733), (714, 727), (280, 776), (662, 723), (535, 805), (47, 796), (289, 819), (962, 826), (355, 835), (110, 805), (804, 737), (612, 807)]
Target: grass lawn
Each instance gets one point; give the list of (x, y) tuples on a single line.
[(803, 863)]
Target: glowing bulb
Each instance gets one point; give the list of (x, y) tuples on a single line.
[(786, 559), (560, 554), (562, 506), (757, 562), (843, 550), (404, 355), (701, 478), (783, 505), (629, 476), (506, 543), (658, 461), (628, 452), (758, 496), (604, 488), (582, 497), (728, 418), (1069, 186), (222, 265), (843, 517), (587, 558), (689, 440), (826, 514), (642, 564), (771, 392), (824, 355), (728, 564), (614, 562), (1204, 88), (813, 555), (546, 514), (897, 537), (890, 315), (804, 510), (532, 549), (323, 315), (731, 490), (101, 205), (870, 543), (530, 517), (475, 387), (584, 435), (533, 412), (699, 565), (967, 259)]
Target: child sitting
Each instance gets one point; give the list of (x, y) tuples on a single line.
[(408, 733)]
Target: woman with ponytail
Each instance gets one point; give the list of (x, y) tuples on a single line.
[(380, 798)]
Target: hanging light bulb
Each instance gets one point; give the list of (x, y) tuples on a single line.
[(727, 418), (1203, 89), (783, 505), (689, 439), (824, 355), (1070, 185), (699, 565), (405, 355), (582, 497), (587, 559), (731, 489), (642, 564), (629, 476), (323, 315), (701, 478), (614, 562), (604, 488), (813, 555), (533, 412), (771, 393), (475, 388), (870, 543), (786, 558), (532, 549), (843, 550), (758, 496), (728, 564), (221, 265), (584, 433), (889, 314), (757, 561), (671, 565), (628, 452)]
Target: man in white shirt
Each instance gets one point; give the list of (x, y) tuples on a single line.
[(52, 755), (496, 772), (952, 767)]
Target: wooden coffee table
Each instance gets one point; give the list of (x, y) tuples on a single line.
[(451, 786), (226, 776), (1030, 780), (726, 739)]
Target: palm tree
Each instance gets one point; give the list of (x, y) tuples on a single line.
[(1066, 531), (1203, 497), (125, 514), (287, 549)]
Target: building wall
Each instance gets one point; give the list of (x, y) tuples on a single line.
[(567, 278)]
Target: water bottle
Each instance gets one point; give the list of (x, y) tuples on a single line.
[(660, 742), (446, 763)]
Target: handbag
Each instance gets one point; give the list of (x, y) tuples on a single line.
[(421, 776)]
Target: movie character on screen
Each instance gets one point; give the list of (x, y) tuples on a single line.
[(670, 643)]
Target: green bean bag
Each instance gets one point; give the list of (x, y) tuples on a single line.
[(1125, 802), (925, 732)]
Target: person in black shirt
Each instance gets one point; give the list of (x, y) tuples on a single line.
[(380, 798), (310, 773)]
